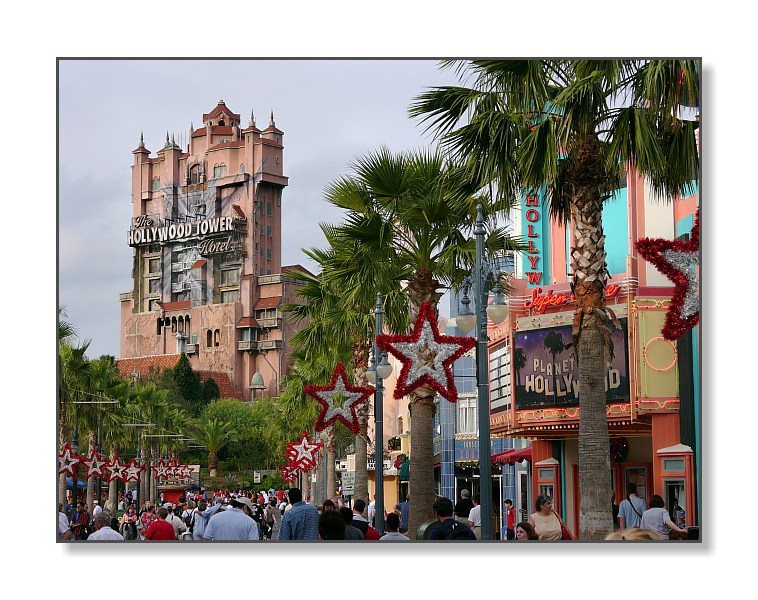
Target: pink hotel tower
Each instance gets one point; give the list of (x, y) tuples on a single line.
[(207, 277)]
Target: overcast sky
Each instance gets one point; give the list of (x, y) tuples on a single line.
[(331, 111)]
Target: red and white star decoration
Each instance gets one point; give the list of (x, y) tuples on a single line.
[(160, 470), (302, 454), (116, 469), (95, 464), (677, 261), (339, 387), (68, 461), (133, 470), (288, 473), (427, 356)]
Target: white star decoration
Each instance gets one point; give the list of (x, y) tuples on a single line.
[(339, 387), (427, 356), (160, 470), (67, 461), (95, 464), (133, 470), (684, 263), (117, 470)]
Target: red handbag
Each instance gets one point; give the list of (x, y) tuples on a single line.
[(565, 533)]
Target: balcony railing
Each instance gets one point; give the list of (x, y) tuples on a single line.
[(274, 323), (270, 345), (247, 345)]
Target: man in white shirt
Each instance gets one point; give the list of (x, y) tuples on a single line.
[(103, 529), (64, 533), (179, 525), (475, 518), (96, 509), (372, 511)]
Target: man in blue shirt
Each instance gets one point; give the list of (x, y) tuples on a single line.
[(631, 509), (233, 523), (402, 510), (301, 521)]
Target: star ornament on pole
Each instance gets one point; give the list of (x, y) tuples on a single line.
[(160, 470), (339, 400), (133, 470), (116, 469), (427, 356), (68, 461), (95, 464), (288, 473), (303, 453), (677, 261)]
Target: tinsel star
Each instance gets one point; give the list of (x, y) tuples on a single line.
[(303, 454), (133, 470), (68, 461), (186, 472), (426, 355), (95, 464), (117, 470), (288, 473), (339, 388), (160, 470), (677, 261)]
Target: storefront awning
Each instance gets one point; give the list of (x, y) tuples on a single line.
[(511, 456)]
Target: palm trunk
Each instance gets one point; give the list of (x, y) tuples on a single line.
[(144, 476), (360, 364), (112, 492), (212, 463), (92, 443), (592, 343), (61, 441), (421, 489), (421, 485), (331, 446)]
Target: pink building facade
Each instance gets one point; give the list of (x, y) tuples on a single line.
[(207, 277)]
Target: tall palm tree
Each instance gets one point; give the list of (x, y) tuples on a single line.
[(571, 127), (410, 213), (214, 435), (519, 362)]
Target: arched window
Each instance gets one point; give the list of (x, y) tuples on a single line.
[(219, 171), (194, 174), (209, 339), (242, 168), (216, 338), (156, 184)]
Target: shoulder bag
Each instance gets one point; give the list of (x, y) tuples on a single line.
[(565, 533)]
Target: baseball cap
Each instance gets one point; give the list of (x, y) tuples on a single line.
[(244, 500)]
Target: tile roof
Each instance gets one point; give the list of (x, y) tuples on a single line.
[(272, 302), (231, 144), (220, 108), (144, 364), (248, 322), (301, 268)]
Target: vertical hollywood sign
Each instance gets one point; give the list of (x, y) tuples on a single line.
[(533, 252)]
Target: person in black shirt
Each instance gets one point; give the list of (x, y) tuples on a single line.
[(463, 507)]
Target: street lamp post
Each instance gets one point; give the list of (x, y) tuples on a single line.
[(482, 275), (380, 369), (139, 427)]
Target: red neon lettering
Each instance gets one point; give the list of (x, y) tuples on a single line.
[(533, 260), (531, 200), (532, 215), (534, 277), (532, 233)]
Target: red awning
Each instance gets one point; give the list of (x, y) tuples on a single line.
[(247, 322), (268, 303), (511, 456)]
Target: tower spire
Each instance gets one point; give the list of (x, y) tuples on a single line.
[(141, 140), (167, 142), (252, 119), (271, 123)]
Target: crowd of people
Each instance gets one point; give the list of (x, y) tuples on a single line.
[(252, 516)]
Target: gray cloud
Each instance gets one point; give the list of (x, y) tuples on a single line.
[(331, 112)]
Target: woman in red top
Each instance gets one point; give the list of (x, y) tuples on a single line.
[(161, 529)]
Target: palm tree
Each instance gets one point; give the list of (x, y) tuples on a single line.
[(338, 312), (214, 435), (65, 329), (570, 128), (409, 213), (555, 345), (519, 362)]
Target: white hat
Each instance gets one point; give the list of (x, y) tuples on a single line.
[(244, 500)]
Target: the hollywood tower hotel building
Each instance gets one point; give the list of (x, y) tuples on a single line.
[(207, 277), (652, 390)]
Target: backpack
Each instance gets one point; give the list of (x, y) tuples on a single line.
[(458, 531)]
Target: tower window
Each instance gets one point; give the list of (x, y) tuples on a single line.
[(268, 230), (216, 338), (219, 171), (242, 168), (209, 338), (156, 186), (268, 254), (268, 208)]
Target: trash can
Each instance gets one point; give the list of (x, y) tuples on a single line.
[(425, 529)]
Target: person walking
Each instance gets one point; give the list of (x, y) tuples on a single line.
[(545, 520), (351, 531), (175, 520), (103, 530), (160, 529), (233, 523), (658, 519), (393, 524), (80, 522), (631, 508), (449, 528), (463, 507), (300, 521), (510, 520), (128, 527), (402, 510), (199, 521), (475, 518)]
